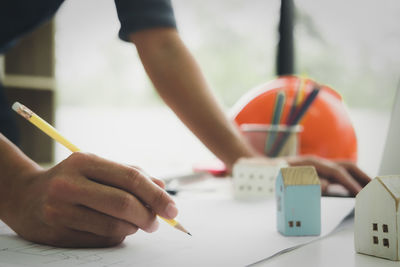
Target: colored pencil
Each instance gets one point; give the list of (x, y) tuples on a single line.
[(296, 118), (295, 100), (298, 98), (301, 111), (275, 121)]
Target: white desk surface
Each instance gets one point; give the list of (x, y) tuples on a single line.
[(226, 232), (334, 250)]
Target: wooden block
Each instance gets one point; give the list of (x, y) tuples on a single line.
[(29, 79)]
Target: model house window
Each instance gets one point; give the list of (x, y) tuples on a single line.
[(385, 228), (290, 223), (298, 223), (386, 242), (375, 226), (375, 238)]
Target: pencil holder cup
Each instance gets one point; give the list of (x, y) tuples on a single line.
[(273, 140)]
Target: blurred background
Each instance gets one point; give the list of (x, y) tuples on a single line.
[(107, 105), (354, 47)]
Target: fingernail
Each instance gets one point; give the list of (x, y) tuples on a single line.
[(154, 226), (171, 210)]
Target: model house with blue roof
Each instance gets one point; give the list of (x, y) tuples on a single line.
[(298, 199)]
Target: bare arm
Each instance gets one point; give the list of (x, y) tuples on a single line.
[(13, 164), (179, 81)]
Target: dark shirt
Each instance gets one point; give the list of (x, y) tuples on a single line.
[(18, 17)]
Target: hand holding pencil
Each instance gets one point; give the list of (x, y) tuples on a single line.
[(86, 201)]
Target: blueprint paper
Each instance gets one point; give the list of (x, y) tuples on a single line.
[(226, 232)]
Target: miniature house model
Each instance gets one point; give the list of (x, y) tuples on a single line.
[(255, 177), (377, 218), (298, 199)]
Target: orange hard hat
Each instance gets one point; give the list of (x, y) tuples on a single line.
[(327, 129)]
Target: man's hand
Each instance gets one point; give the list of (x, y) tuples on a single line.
[(330, 172), (85, 201)]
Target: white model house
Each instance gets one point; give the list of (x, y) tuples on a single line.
[(377, 218), (255, 177)]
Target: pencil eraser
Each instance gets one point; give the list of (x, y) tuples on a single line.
[(16, 106), (255, 177)]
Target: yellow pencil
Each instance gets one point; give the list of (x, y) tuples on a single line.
[(300, 96), (53, 133)]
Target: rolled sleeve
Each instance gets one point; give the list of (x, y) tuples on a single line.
[(136, 15)]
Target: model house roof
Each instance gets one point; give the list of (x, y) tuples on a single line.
[(392, 185), (304, 175)]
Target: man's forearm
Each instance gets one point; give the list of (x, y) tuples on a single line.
[(179, 81), (13, 165)]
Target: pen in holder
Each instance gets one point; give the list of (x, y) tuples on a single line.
[(273, 140)]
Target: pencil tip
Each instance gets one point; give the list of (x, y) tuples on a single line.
[(189, 233)]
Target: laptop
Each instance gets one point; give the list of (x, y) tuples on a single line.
[(390, 164)]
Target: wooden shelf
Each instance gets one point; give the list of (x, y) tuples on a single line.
[(29, 79)]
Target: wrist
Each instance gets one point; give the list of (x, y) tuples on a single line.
[(11, 183), (15, 168), (14, 189)]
